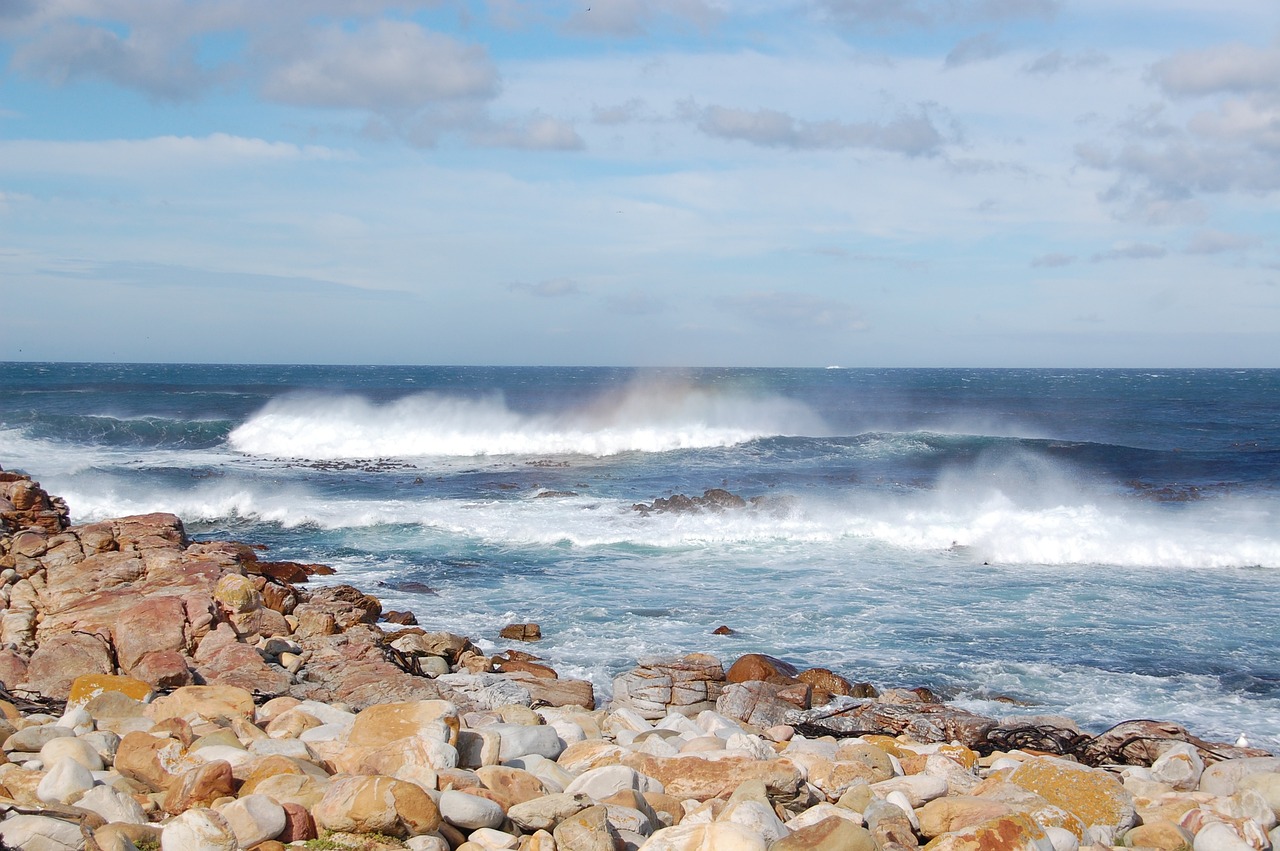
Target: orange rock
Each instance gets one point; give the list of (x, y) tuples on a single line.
[(1090, 794), (758, 666), (200, 787), (89, 686), (1017, 832)]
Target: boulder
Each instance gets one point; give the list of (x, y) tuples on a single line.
[(1095, 797), (60, 659), (754, 702), (758, 666), (1016, 832), (40, 833), (833, 833), (691, 776), (376, 804), (469, 812), (198, 830)]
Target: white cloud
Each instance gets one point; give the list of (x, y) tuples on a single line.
[(1218, 242), (1053, 260), (538, 132), (928, 13), (121, 157), (384, 67), (1131, 251), (1224, 68), (975, 49), (143, 60), (553, 288), (912, 134), (630, 18)]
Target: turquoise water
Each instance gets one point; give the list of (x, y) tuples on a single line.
[(1100, 543)]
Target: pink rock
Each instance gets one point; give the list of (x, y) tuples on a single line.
[(150, 625)]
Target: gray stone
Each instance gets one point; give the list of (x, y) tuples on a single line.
[(113, 805), (40, 833), (546, 812), (254, 819), (64, 782), (521, 740), (470, 812)]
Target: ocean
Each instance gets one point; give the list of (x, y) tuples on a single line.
[(1103, 544)]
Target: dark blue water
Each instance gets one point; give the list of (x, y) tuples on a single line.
[(1103, 543)]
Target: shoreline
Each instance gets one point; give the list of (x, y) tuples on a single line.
[(131, 607)]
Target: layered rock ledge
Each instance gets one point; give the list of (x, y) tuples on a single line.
[(165, 693)]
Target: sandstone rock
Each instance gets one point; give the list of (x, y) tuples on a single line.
[(754, 702), (390, 722), (920, 721), (889, 825), (200, 787), (546, 812), (1220, 836), (1017, 832), (521, 632), (127, 837), (33, 739), (958, 813), (699, 778), (85, 688), (299, 826), (302, 790), (1092, 795), (113, 805), (1180, 766), (68, 747), (716, 836), (254, 819), (198, 830), (1223, 777), (758, 666), (830, 834), (210, 703), (587, 830), (509, 785), (60, 659), (152, 761), (376, 805), (64, 782), (518, 740), (1161, 835), (151, 624), (40, 833), (470, 812)]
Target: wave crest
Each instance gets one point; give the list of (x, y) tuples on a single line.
[(641, 419)]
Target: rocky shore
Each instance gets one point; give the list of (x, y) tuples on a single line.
[(164, 693)]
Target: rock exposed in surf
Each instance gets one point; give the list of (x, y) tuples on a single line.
[(715, 500)]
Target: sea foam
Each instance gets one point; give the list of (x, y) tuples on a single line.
[(644, 418)]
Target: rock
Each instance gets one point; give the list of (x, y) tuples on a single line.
[(1017, 832), (40, 833), (546, 812), (64, 782), (211, 703), (701, 779), (521, 632), (1222, 778), (254, 819), (716, 836), (387, 723), (1161, 835), (657, 687), (518, 740), (756, 816), (958, 813), (68, 747), (587, 830), (830, 834), (1220, 836), (85, 688), (1092, 795), (33, 739), (601, 783), (127, 837), (889, 824), (511, 786), (754, 702), (151, 624), (200, 787), (60, 659), (921, 722), (376, 805), (198, 830), (152, 761), (1266, 784), (299, 826), (113, 805), (1180, 766), (469, 812), (919, 788), (758, 666)]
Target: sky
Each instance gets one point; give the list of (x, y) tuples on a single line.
[(862, 183)]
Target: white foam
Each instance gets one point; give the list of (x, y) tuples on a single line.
[(644, 418)]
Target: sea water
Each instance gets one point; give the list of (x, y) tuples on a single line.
[(1103, 544)]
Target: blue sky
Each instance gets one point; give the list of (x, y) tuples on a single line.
[(642, 182)]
